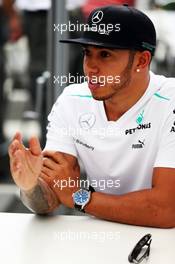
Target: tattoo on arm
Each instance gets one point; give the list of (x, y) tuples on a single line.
[(41, 199)]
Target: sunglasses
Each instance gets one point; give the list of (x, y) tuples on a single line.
[(141, 250)]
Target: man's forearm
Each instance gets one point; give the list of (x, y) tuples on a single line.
[(41, 199), (143, 208)]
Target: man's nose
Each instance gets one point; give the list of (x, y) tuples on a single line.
[(92, 66)]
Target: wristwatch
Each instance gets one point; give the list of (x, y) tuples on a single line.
[(82, 198)]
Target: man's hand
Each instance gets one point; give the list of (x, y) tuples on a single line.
[(25, 164), (61, 172)]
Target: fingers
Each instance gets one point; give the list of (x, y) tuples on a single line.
[(14, 146), (45, 177), (48, 172), (50, 163), (16, 164), (15, 151), (18, 137), (17, 161), (34, 146), (51, 172), (58, 157)]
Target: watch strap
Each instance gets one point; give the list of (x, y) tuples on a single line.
[(79, 208), (91, 189)]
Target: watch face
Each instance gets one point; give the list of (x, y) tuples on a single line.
[(81, 197)]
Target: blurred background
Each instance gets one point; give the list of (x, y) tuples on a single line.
[(32, 60)]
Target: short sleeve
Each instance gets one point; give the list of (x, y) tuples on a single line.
[(58, 136), (166, 149)]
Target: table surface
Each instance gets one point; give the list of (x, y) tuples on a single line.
[(27, 238)]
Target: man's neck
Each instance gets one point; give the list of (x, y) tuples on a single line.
[(116, 106)]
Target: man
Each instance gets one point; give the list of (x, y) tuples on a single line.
[(134, 156)]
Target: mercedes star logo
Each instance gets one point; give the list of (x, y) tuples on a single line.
[(87, 121), (97, 17)]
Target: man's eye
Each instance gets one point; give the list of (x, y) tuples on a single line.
[(104, 54)]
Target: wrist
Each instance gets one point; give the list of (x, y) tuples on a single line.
[(82, 198), (40, 199), (29, 189), (66, 197)]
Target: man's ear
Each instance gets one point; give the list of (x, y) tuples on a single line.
[(144, 59)]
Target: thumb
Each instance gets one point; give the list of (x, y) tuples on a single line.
[(34, 146)]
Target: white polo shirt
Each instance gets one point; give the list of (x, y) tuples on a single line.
[(118, 156)]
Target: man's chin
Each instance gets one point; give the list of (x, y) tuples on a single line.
[(102, 93), (101, 98)]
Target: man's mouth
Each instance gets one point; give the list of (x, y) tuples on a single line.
[(93, 85)]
